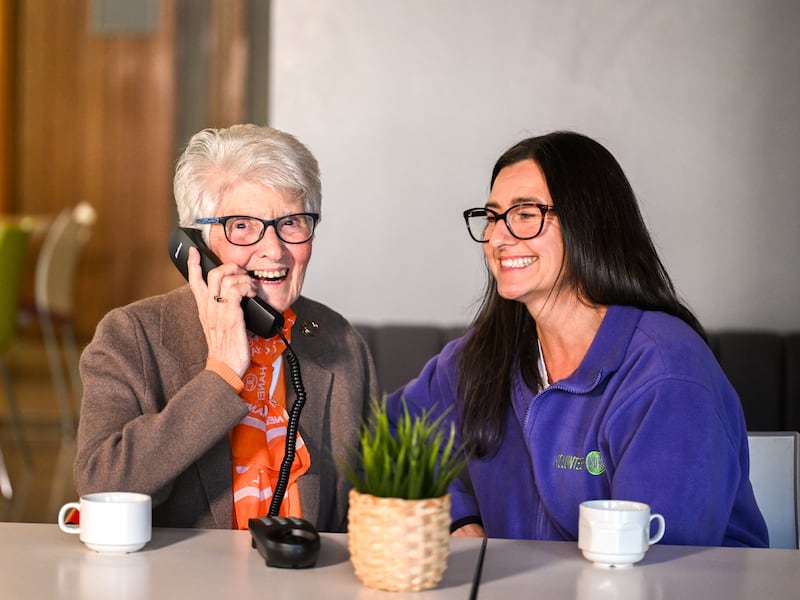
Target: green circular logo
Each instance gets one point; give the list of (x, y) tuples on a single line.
[(594, 463)]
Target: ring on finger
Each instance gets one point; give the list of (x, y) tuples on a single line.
[(220, 299)]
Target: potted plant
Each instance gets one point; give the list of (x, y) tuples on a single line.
[(399, 515)]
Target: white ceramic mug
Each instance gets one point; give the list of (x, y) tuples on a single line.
[(616, 533), (116, 522)]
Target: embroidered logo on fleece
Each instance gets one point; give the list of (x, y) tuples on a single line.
[(592, 462)]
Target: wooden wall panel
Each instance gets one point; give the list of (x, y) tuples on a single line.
[(96, 122), (7, 53), (228, 63), (96, 119)]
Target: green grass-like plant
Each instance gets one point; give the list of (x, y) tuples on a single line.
[(415, 461)]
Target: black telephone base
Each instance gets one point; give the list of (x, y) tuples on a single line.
[(285, 543)]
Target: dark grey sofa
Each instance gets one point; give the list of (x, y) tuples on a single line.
[(763, 366)]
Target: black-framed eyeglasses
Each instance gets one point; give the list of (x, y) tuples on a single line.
[(524, 221), (241, 230)]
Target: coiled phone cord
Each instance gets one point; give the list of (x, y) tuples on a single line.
[(291, 429)]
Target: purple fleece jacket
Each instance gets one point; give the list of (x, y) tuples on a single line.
[(648, 415)]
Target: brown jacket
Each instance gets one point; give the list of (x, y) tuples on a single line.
[(153, 420)]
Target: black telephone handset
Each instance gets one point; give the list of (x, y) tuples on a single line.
[(287, 543), (259, 316)]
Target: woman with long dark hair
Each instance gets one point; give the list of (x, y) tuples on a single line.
[(583, 375)]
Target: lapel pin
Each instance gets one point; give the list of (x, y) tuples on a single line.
[(310, 328)]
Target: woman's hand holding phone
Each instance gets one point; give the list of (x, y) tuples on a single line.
[(220, 311)]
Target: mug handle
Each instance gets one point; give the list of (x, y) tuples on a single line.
[(660, 532), (62, 525)]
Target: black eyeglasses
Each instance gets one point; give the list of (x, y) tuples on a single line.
[(242, 230), (524, 221)]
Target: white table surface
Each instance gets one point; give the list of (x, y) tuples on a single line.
[(558, 570), (39, 561)]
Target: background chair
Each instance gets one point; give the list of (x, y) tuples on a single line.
[(400, 351), (13, 251), (54, 284), (775, 475)]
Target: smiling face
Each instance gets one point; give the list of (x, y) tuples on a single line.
[(278, 267), (525, 270)]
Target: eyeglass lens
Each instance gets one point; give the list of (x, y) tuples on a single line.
[(524, 221), (294, 229)]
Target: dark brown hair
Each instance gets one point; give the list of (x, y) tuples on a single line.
[(609, 258)]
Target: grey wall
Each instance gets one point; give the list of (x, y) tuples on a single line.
[(408, 104)]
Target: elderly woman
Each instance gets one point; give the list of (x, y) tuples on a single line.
[(181, 401), (583, 375)]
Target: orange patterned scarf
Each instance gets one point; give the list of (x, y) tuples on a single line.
[(258, 441)]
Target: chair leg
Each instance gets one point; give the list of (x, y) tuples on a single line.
[(61, 484), (57, 374), (16, 421), (5, 481), (72, 357)]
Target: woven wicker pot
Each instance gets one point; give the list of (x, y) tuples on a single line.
[(397, 544)]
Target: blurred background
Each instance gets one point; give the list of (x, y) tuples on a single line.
[(99, 97), (406, 105)]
